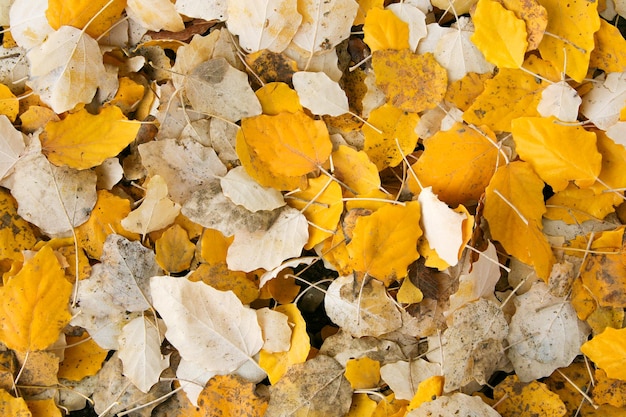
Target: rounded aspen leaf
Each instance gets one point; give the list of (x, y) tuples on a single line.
[(231, 395), (363, 373), (78, 13), (11, 406), (355, 169), (609, 53), (384, 30), (277, 97), (83, 358), (534, 398), (174, 251)]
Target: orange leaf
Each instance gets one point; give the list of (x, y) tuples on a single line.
[(33, 308), (608, 351)]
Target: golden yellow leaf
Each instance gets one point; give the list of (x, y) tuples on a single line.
[(288, 144), (322, 206), (9, 104), (283, 288), (218, 276), (16, 234), (371, 201), (603, 274), (230, 396), (84, 268), (105, 219), (533, 398), (608, 351), (13, 407), (82, 358), (613, 172), (609, 53), (129, 94), (363, 373), (574, 205), (364, 8), (78, 13), (571, 32), (463, 92), (391, 407), (277, 97), (36, 117), (510, 94), (395, 124), (214, 246), (471, 157), (44, 408), (608, 390), (603, 317), (34, 306), (411, 82), (513, 208), (535, 16), (362, 406), (499, 34), (355, 169), (384, 30), (427, 390), (83, 140), (409, 293), (539, 141), (276, 363), (336, 253), (384, 243), (174, 251)]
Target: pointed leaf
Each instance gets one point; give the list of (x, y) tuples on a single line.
[(607, 351)]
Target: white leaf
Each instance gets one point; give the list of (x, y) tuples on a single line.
[(192, 379), (29, 24), (369, 313), (55, 199), (189, 56), (276, 330), (443, 227), (140, 352), (264, 24), (325, 61), (404, 377), (269, 275), (155, 212), (602, 105), (12, 146), (324, 24), (184, 165), (561, 101), (617, 132), (155, 15), (457, 404), (268, 249), (243, 190), (207, 326), (545, 333), (414, 17), (320, 94), (66, 69), (218, 89), (205, 9), (109, 173)]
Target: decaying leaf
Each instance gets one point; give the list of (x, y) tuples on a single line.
[(519, 398), (458, 403)]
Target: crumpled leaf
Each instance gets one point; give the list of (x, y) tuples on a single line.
[(242, 190), (545, 333), (404, 377), (155, 15), (83, 140), (606, 350), (383, 29), (66, 69), (517, 398), (207, 326), (316, 387), (320, 94), (602, 105), (270, 24), (457, 403), (33, 308), (12, 146)]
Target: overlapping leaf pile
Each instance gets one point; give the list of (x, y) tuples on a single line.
[(458, 168)]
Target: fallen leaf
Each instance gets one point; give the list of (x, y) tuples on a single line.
[(155, 15), (561, 101), (83, 357), (243, 190), (80, 14), (230, 395), (13, 146), (415, 18), (16, 234), (320, 94), (30, 25), (608, 53), (13, 407), (404, 377), (602, 105), (362, 373), (383, 29), (428, 390), (209, 10), (606, 350), (355, 169), (518, 398), (276, 330), (457, 403), (9, 104), (174, 251)]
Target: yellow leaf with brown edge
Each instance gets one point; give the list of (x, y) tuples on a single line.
[(355, 169), (277, 97), (395, 124), (539, 141), (174, 250), (427, 390), (78, 13), (16, 234), (221, 278), (13, 407), (34, 304), (471, 157), (384, 30), (411, 82), (83, 140), (571, 39), (499, 34), (105, 219), (609, 53), (608, 351), (604, 273), (384, 243), (514, 208), (533, 398), (229, 396), (9, 104), (276, 363), (83, 357), (609, 390), (322, 206), (362, 373)]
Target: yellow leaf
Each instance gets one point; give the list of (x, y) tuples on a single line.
[(513, 208), (427, 390), (362, 406), (16, 234), (395, 124), (230, 396), (384, 243), (322, 206), (221, 278), (471, 159), (371, 201), (574, 205), (499, 35), (129, 94), (613, 173), (355, 169), (608, 390), (214, 246), (34, 306), (411, 82), (363, 373), (384, 30), (409, 293), (84, 268), (603, 274), (174, 251), (571, 32), (463, 92), (82, 358), (278, 97), (364, 8), (535, 16), (533, 398), (391, 407), (9, 104), (609, 53), (283, 288), (608, 351), (44, 408), (336, 253), (105, 219), (13, 407), (288, 144), (539, 141), (37, 117), (276, 364), (78, 13), (83, 140), (510, 94)]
